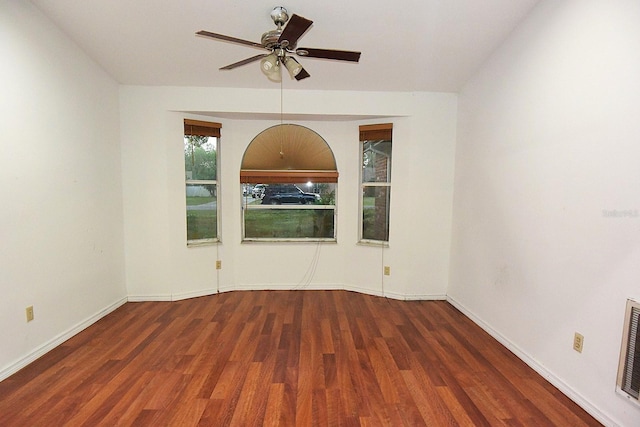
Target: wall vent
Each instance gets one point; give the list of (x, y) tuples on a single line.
[(628, 383)]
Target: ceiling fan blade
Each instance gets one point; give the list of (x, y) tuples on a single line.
[(228, 39), (244, 61), (339, 55), (295, 28), (302, 75)]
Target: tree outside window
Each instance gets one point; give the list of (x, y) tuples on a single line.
[(375, 182), (201, 170)]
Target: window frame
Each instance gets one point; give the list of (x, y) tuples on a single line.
[(277, 156), (368, 133), (209, 129), (290, 207)]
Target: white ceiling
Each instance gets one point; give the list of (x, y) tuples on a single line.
[(411, 45)]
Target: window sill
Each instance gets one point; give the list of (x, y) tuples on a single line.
[(203, 242), (301, 240), (373, 243)]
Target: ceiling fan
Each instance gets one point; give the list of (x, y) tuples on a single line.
[(281, 43)]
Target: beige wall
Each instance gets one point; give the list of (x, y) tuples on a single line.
[(61, 227), (547, 148), (159, 265)]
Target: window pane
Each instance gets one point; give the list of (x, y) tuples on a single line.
[(375, 213), (200, 157), (376, 161), (202, 221), (290, 194), (326, 191), (295, 194), (289, 223)]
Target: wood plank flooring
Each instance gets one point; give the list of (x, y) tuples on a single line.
[(284, 358)]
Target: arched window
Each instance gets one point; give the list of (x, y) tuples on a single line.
[(289, 180)]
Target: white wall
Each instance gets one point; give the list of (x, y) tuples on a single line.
[(548, 145), (160, 266), (61, 233)]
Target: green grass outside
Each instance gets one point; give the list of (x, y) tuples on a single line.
[(371, 230), (194, 201), (302, 223), (368, 201), (289, 223), (202, 225)]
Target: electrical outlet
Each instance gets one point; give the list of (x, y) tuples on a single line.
[(578, 342), (387, 270), (218, 265), (29, 313)]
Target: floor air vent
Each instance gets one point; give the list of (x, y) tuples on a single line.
[(629, 369)]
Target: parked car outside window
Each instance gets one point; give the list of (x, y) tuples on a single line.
[(277, 194), (258, 191)]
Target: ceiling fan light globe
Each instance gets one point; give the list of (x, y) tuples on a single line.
[(293, 66), (266, 66), (269, 63), (275, 75)]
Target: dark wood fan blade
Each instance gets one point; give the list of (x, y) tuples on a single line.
[(228, 39), (302, 75), (244, 61), (339, 55), (295, 28)]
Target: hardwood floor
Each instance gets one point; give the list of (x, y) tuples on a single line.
[(284, 358)]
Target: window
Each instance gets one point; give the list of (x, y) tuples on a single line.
[(201, 144), (375, 178), (289, 182)]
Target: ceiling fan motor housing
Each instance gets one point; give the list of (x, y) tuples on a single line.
[(270, 38)]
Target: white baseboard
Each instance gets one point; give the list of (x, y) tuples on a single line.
[(172, 297), (193, 294), (285, 287), (150, 297), (423, 297), (59, 339), (533, 364), (336, 287)]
